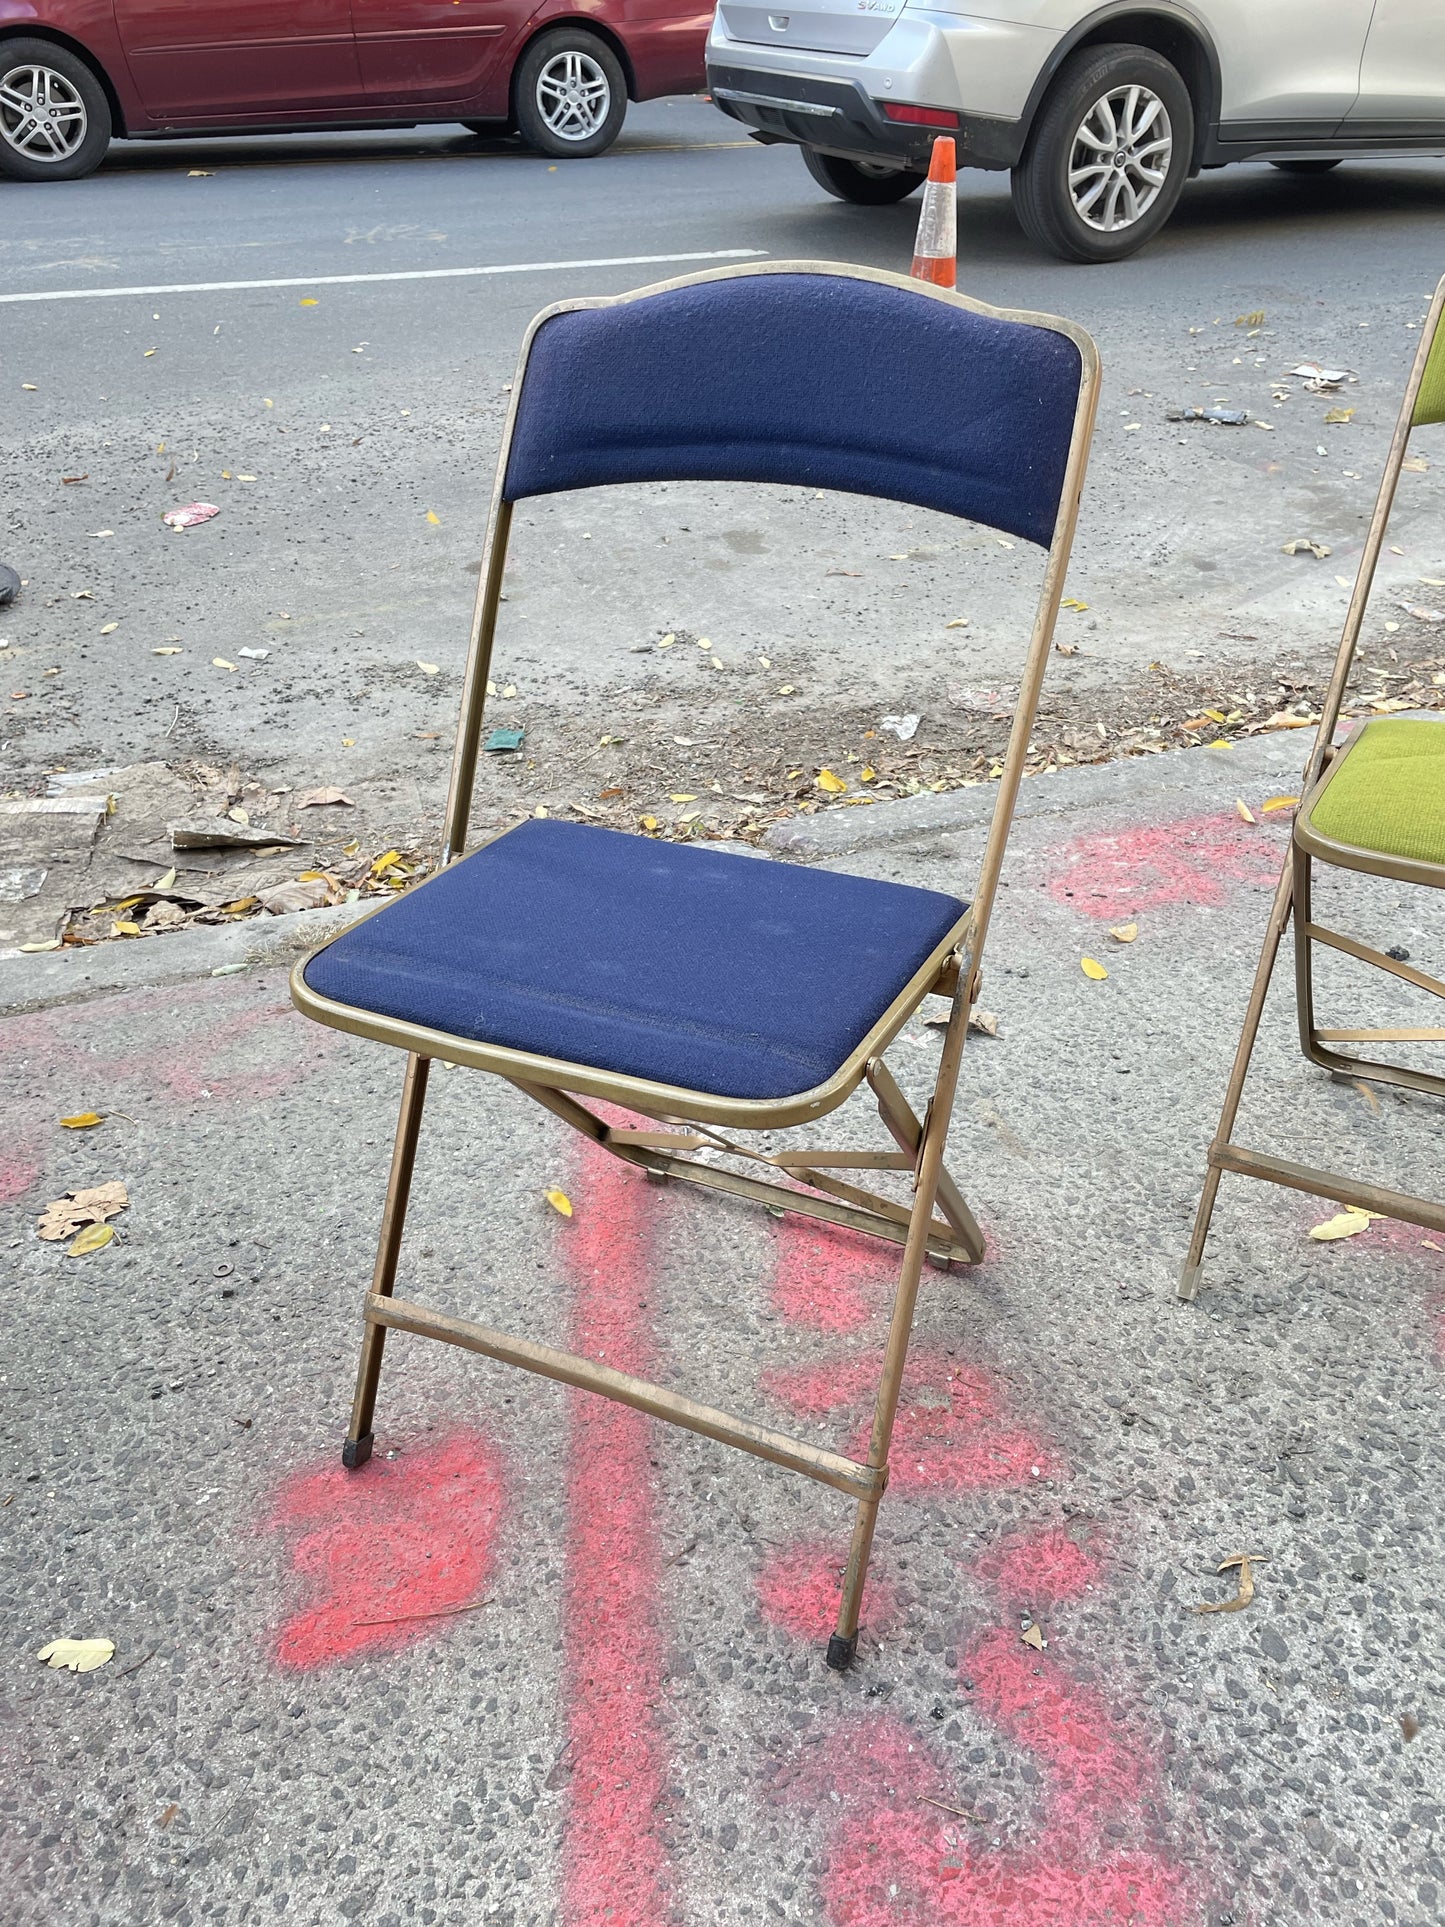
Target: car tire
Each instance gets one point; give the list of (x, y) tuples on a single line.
[(73, 142), (864, 183), (1307, 167), (570, 94), (1083, 210)]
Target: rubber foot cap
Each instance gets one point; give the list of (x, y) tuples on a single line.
[(1189, 1282), (356, 1452), (841, 1652)]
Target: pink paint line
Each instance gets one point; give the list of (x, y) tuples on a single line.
[(615, 1867)]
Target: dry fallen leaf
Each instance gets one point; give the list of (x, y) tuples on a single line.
[(648, 822), (63, 1217), (82, 1121), (1364, 1091), (1335, 416), (164, 882), (428, 668), (1302, 545), (1243, 811), (219, 662), (834, 785), (317, 799), (167, 652), (432, 516), (1091, 967), (982, 1020), (1124, 932), (1031, 1636), (559, 1201), (78, 1655), (1244, 1560), (1280, 803), (91, 1239), (1346, 1224)]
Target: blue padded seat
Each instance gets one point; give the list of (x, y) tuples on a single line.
[(717, 972), (818, 379)]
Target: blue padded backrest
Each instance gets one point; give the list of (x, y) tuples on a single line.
[(817, 379)]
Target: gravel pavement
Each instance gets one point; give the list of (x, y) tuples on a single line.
[(542, 1661)]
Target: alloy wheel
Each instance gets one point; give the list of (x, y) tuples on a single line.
[(574, 95), (42, 115), (1120, 158)]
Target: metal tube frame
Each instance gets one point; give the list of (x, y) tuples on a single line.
[(676, 1150), (1291, 905)]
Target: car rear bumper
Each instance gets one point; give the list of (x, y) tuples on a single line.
[(980, 71)]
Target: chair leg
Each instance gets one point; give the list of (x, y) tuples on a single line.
[(1304, 962), (843, 1644), (357, 1449), (1278, 917)]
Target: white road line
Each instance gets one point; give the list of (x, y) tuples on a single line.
[(405, 274)]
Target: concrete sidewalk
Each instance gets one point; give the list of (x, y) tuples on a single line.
[(542, 1661)]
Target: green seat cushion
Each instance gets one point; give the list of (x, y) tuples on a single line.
[(1388, 792), (1430, 402)]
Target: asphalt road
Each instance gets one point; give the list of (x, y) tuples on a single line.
[(364, 408)]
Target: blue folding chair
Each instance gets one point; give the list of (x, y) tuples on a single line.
[(704, 991)]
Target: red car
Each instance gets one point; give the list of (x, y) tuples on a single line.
[(76, 73)]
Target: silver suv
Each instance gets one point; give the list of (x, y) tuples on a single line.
[(1101, 112)]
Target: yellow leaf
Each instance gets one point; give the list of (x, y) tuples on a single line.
[(432, 516), (959, 622), (219, 662), (1340, 415), (165, 882), (308, 301), (1073, 602), (82, 1121), (1280, 803), (559, 1201), (1243, 811), (109, 628), (786, 690), (91, 1239), (148, 353), (427, 668), (509, 690), (385, 862), (167, 652), (1220, 742), (124, 929), (648, 822), (1347, 1224), (78, 1655), (680, 796), (1091, 967), (1124, 932), (867, 774), (667, 641), (1215, 715), (834, 785), (704, 642)]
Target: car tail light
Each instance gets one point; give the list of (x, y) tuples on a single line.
[(918, 116)]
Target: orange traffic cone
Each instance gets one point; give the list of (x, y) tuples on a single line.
[(935, 252)]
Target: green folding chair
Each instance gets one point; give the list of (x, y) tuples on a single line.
[(707, 992), (1375, 805)]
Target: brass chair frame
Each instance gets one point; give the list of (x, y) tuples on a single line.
[(936, 1223), (1292, 905)]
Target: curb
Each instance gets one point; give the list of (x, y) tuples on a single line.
[(1277, 758), (76, 976)]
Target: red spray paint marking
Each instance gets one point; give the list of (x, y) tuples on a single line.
[(615, 1871), (896, 1861), (831, 1281), (946, 1436), (1045, 1568), (205, 1023), (1197, 861), (798, 1590), (397, 1539)]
